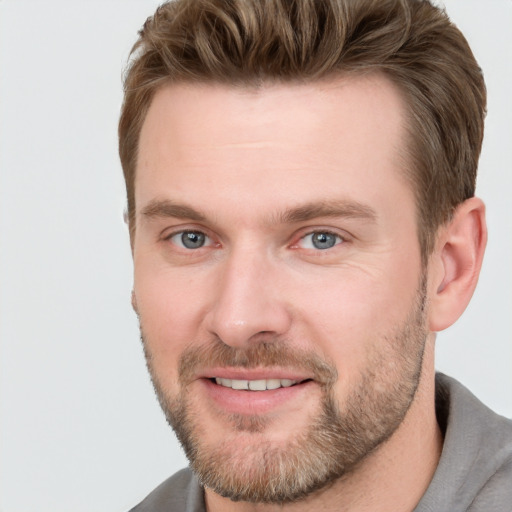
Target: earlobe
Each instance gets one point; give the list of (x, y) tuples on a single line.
[(456, 263)]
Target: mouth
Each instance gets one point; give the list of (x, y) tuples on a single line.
[(253, 392), (256, 385)]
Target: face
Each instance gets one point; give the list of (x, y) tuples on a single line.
[(279, 287)]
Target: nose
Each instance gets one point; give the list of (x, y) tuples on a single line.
[(248, 305)]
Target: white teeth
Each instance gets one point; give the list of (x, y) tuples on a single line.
[(273, 383), (255, 385), (223, 382), (240, 384)]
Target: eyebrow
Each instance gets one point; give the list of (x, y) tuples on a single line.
[(328, 208), (167, 208), (162, 208)]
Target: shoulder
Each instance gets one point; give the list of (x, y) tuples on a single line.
[(475, 469), (179, 493), (465, 418)]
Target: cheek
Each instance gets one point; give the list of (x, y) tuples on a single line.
[(170, 309), (352, 314)]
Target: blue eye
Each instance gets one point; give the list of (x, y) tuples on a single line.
[(190, 239), (320, 240)]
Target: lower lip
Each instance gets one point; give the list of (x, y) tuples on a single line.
[(234, 401)]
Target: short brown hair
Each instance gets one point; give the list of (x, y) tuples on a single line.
[(249, 42)]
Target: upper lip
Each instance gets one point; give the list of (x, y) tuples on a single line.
[(254, 374)]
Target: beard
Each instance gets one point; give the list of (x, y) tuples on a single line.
[(248, 466)]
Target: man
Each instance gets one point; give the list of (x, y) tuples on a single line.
[(300, 179)]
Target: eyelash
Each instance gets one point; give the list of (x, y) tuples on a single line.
[(168, 238), (338, 239)]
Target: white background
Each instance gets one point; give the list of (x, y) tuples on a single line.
[(80, 427)]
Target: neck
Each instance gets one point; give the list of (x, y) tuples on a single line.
[(393, 478)]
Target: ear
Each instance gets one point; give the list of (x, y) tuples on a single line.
[(456, 263)]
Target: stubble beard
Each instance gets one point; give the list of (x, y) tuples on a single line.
[(336, 441)]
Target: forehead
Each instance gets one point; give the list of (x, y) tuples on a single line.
[(278, 142)]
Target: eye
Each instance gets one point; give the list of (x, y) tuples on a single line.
[(320, 240), (190, 239)]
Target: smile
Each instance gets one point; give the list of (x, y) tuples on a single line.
[(259, 394), (255, 385)]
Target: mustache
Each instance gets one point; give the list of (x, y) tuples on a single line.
[(260, 354)]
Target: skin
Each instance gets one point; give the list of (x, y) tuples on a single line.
[(236, 161)]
